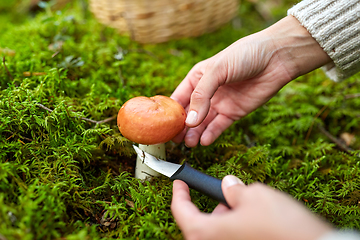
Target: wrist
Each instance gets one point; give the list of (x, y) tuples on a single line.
[(296, 48)]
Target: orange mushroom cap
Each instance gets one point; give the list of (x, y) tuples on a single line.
[(151, 120)]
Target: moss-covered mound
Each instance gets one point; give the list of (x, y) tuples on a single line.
[(67, 173)]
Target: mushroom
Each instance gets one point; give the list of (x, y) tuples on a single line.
[(150, 122)]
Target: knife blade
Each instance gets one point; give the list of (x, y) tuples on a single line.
[(195, 179)]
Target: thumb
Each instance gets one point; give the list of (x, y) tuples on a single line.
[(201, 96), (232, 188)]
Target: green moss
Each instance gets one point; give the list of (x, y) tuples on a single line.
[(65, 173)]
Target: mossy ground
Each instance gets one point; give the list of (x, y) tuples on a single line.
[(67, 174)]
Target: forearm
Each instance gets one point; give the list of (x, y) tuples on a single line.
[(297, 49)]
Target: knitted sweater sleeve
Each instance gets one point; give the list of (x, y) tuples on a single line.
[(335, 25)]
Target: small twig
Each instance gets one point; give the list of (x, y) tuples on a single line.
[(341, 145), (313, 121), (54, 54), (355, 95), (25, 138), (43, 107), (7, 70), (81, 118), (88, 120), (107, 120)]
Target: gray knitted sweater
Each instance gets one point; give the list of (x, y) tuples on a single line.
[(335, 25)]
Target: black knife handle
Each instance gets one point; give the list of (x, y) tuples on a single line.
[(201, 182)]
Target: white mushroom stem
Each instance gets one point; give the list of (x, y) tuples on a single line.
[(142, 171)]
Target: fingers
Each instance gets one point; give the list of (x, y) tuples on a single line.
[(201, 96), (183, 209), (214, 129), (178, 138), (194, 93), (193, 135), (183, 91), (220, 209), (232, 188), (208, 131)]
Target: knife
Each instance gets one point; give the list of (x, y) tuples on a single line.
[(195, 179)]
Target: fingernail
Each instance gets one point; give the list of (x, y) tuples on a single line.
[(191, 118), (231, 180)]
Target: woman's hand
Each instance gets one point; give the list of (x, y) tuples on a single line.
[(257, 213), (242, 77)]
